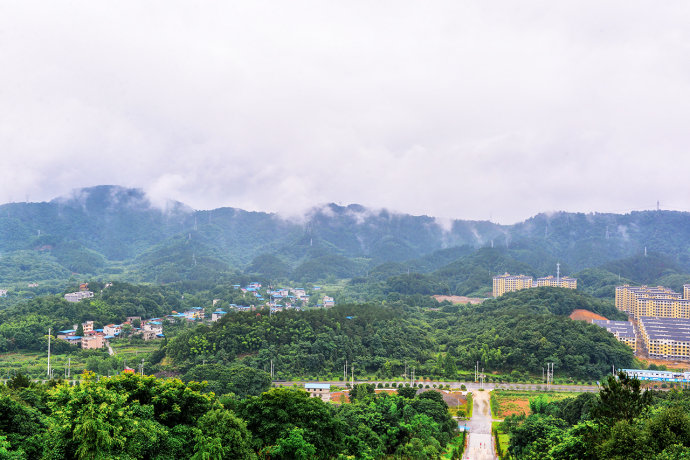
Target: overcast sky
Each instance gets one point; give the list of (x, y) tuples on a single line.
[(481, 110)]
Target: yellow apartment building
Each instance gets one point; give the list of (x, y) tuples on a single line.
[(624, 331), (666, 338), (563, 282), (659, 301), (509, 283)]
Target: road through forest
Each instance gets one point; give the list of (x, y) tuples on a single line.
[(480, 446)]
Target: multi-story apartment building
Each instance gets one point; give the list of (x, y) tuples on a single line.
[(509, 283), (563, 282), (666, 338), (624, 331), (639, 301)]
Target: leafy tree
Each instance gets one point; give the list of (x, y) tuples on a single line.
[(237, 378), (222, 435), (272, 415), (620, 398), (292, 446), (407, 392)]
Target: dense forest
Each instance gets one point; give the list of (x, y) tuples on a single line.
[(518, 332), (512, 337), (131, 416), (113, 233), (621, 422)]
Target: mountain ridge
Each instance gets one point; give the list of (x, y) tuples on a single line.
[(106, 230)]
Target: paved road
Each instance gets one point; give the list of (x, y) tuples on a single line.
[(480, 445)]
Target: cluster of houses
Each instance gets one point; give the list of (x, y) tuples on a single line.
[(3, 292), (283, 298), (97, 338)]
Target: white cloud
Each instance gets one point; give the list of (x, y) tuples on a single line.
[(444, 108)]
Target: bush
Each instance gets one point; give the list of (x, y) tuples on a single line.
[(463, 387), (380, 385), (394, 385)]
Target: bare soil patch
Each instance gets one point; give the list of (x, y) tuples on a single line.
[(458, 299), (585, 315)]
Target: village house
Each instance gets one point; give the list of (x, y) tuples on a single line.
[(318, 390), (112, 329), (148, 335), (194, 313), (77, 296), (87, 326), (154, 326), (64, 335), (328, 301), (3, 292), (299, 292), (218, 314), (92, 341)]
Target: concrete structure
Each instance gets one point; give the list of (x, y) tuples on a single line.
[(112, 329), (77, 296), (624, 331), (328, 301), (666, 338), (66, 333), (218, 314), (195, 313), (639, 301), (92, 341), (319, 390), (87, 326), (509, 283), (148, 335), (563, 282)]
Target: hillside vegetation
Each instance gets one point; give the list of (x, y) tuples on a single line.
[(115, 233)]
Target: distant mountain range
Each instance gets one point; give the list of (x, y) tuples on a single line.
[(111, 231)]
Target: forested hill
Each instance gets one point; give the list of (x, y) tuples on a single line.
[(118, 232), (518, 333)]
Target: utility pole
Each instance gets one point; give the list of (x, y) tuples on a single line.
[(405, 377), (141, 367), (271, 369), (412, 381), (49, 330), (345, 372), (481, 376), (352, 369), (549, 375)]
